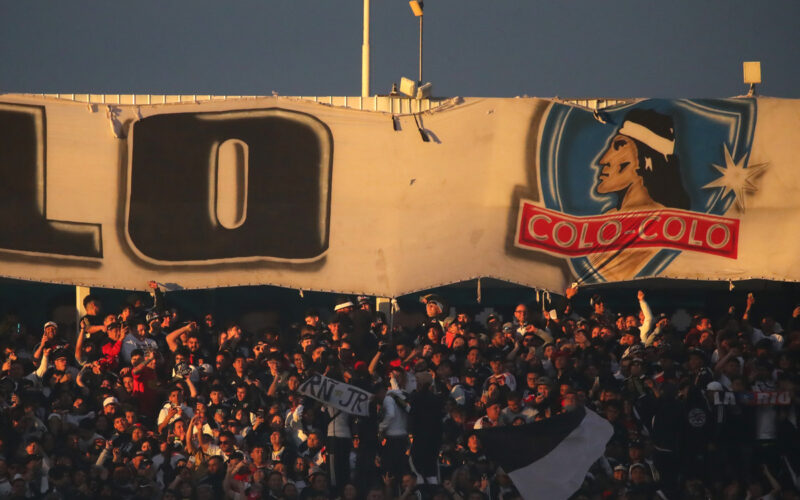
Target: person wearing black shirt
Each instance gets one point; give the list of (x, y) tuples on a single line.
[(92, 323), (425, 428)]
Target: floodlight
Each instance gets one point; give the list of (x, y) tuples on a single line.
[(424, 91), (408, 87), (752, 75)]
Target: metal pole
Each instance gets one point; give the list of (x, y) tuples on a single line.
[(365, 53), (420, 51), (80, 293)]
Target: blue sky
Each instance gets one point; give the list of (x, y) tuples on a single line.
[(567, 48)]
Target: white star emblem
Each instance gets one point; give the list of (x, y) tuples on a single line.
[(736, 178)]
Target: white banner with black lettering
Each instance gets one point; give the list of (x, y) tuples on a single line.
[(298, 194), (343, 397)]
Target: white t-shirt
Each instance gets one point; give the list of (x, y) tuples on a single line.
[(131, 342)]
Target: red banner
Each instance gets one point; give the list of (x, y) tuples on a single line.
[(563, 234)]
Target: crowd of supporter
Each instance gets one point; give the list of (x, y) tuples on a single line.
[(143, 402)]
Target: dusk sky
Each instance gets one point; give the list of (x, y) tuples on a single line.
[(503, 48)]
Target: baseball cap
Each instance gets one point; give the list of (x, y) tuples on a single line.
[(50, 323), (60, 353), (111, 400), (637, 464), (434, 299), (342, 303)]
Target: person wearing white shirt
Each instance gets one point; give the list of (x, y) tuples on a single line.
[(646, 321), (393, 426), (137, 339), (173, 409), (294, 425)]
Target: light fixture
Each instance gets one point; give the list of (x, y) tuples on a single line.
[(424, 91), (752, 75), (408, 87)]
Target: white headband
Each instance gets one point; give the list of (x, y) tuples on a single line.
[(647, 136)]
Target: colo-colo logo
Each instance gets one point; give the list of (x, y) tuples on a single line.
[(170, 210), (625, 191)]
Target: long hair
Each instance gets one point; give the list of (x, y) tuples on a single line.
[(661, 173), (662, 177)]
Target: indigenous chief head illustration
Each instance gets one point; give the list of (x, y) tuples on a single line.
[(641, 166), (624, 191)]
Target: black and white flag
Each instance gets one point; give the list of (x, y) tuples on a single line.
[(549, 458)]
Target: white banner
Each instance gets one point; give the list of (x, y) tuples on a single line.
[(297, 194), (338, 395)]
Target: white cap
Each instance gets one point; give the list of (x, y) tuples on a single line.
[(714, 386), (338, 307), (111, 400), (50, 323)]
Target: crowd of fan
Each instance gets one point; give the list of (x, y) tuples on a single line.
[(143, 403)]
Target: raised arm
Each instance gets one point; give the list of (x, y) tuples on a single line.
[(190, 448), (158, 296), (150, 357), (190, 384), (751, 299), (79, 347), (373, 365), (647, 323), (273, 387), (40, 371), (37, 356), (233, 487), (87, 328), (79, 378), (172, 337), (562, 304)]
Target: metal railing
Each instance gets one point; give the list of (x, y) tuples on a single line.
[(381, 103), (386, 104)]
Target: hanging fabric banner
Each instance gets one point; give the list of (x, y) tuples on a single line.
[(297, 194)]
